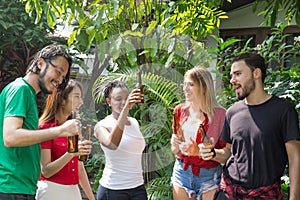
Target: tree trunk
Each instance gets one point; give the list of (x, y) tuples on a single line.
[(98, 68)]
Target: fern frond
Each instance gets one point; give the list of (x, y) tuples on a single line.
[(157, 87), (162, 89), (159, 189)]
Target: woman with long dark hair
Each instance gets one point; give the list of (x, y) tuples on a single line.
[(61, 170)]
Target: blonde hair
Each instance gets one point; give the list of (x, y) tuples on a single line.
[(203, 78)]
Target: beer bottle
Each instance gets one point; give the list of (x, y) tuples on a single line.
[(207, 142), (139, 85), (73, 140)]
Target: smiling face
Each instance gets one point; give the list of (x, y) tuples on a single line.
[(191, 90), (117, 100), (52, 73), (242, 79), (74, 101)]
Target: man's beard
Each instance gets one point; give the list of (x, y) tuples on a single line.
[(41, 81), (249, 87)]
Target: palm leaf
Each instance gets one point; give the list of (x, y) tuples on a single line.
[(157, 88), (163, 90), (159, 189)]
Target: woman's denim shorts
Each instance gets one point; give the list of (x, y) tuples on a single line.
[(207, 180)]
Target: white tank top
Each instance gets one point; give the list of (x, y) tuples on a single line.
[(123, 166)]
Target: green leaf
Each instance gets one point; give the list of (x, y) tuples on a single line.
[(138, 33), (170, 59), (115, 4), (39, 11), (72, 37), (91, 34), (115, 48), (171, 47), (134, 26), (297, 17), (28, 6), (50, 19), (228, 42), (4, 25), (151, 27)]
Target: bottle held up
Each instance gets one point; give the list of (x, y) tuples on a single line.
[(140, 86)]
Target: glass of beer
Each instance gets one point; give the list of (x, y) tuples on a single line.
[(85, 136)]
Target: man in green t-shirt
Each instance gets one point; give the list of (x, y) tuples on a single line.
[(19, 137)]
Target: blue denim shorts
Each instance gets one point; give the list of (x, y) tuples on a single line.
[(207, 180)]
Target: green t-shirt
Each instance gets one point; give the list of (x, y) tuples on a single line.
[(19, 166)]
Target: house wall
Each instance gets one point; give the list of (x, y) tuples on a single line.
[(241, 18)]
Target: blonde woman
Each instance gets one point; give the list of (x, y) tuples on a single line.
[(193, 177)]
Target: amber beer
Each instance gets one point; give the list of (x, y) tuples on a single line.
[(139, 85), (206, 140), (177, 131), (87, 136), (73, 140)]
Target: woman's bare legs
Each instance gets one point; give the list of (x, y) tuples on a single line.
[(180, 194), (208, 195)]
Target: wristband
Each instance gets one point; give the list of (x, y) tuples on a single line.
[(213, 150)]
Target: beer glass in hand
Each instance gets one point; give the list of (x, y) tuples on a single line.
[(85, 136)]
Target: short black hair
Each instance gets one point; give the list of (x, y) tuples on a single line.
[(111, 85), (253, 61), (49, 53)]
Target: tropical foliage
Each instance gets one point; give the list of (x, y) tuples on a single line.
[(282, 82), (283, 71), (20, 38), (159, 38), (274, 7), (95, 22)]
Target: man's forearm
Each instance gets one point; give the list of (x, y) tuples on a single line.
[(24, 137), (294, 182), (293, 150), (222, 155)]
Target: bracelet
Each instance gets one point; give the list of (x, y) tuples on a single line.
[(213, 150)]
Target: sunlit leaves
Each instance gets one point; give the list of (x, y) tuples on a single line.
[(196, 19), (272, 8), (151, 27), (137, 33)]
